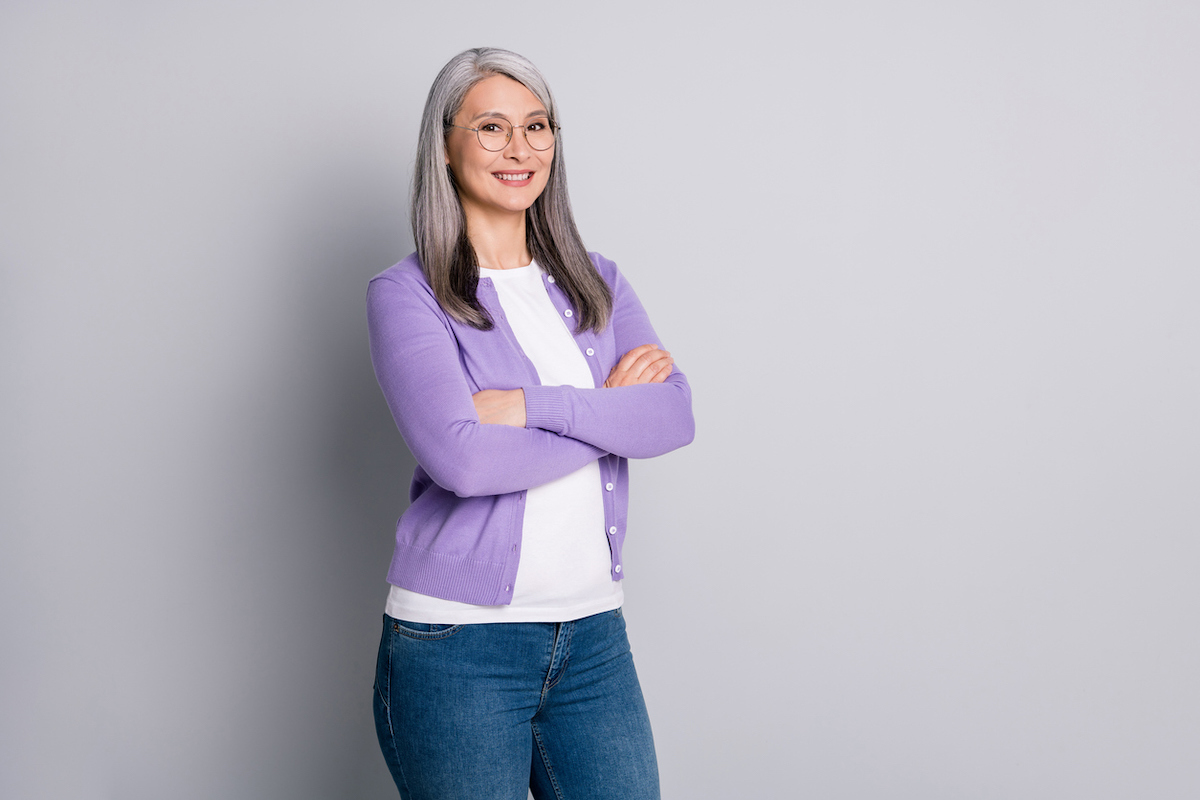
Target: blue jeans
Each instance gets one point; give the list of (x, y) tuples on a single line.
[(493, 710)]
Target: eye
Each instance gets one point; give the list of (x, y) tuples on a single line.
[(538, 125), (492, 127)]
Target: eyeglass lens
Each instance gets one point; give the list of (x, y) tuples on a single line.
[(494, 134)]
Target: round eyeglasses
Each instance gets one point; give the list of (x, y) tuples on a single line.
[(495, 134)]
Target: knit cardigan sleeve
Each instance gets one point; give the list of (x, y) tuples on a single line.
[(416, 360), (639, 421)]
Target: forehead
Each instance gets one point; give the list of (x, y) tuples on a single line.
[(502, 95)]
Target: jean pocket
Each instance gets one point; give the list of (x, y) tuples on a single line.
[(423, 630)]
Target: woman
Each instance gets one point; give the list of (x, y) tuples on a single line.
[(522, 372)]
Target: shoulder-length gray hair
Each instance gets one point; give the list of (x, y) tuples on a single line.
[(440, 228)]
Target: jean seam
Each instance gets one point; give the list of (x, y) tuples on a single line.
[(388, 706), (550, 670), (569, 628), (385, 697), (428, 636), (537, 738)]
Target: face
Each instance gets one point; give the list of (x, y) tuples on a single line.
[(506, 181)]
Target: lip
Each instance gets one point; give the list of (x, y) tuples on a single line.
[(511, 183)]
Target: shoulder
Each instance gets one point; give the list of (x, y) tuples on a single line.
[(607, 269), (403, 283), (407, 276), (407, 272)]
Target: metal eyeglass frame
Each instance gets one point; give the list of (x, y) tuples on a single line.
[(554, 128)]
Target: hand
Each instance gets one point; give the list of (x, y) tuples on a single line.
[(500, 407), (645, 364)]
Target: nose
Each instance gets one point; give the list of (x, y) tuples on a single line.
[(518, 146)]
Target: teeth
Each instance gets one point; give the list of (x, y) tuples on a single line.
[(521, 177)]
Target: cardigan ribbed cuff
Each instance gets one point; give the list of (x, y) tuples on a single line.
[(545, 408)]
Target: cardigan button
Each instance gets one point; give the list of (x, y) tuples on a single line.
[(508, 588), (608, 487), (568, 313), (612, 531), (618, 568), (549, 279), (591, 352)]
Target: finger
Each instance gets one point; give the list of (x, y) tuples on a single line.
[(657, 372), (644, 373), (648, 363), (627, 369), (664, 371), (633, 355), (632, 367)]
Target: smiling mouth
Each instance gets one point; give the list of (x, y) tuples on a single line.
[(513, 176)]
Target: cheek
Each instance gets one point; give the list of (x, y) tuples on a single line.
[(461, 160)]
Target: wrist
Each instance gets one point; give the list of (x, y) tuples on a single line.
[(545, 408)]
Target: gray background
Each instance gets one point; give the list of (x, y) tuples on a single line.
[(931, 268)]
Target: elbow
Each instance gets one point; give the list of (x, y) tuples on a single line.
[(468, 472), (672, 433), (462, 477), (458, 461), (455, 481), (688, 433), (683, 433), (674, 425)]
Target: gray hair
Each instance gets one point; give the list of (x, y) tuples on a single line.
[(440, 228)]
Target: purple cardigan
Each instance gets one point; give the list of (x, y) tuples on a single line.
[(460, 538)]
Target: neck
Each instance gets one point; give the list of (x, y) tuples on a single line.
[(499, 240)]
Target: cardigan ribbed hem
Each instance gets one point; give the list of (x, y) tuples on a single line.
[(545, 408), (448, 577)]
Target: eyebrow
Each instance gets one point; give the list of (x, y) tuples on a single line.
[(538, 113)]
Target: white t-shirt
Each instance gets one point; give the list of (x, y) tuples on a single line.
[(564, 569)]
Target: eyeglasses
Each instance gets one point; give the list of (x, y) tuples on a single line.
[(495, 134)]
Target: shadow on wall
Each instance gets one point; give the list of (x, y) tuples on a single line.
[(330, 476), (358, 227)]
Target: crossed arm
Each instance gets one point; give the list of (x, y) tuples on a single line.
[(647, 363), (416, 360), (644, 408), (500, 441)]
